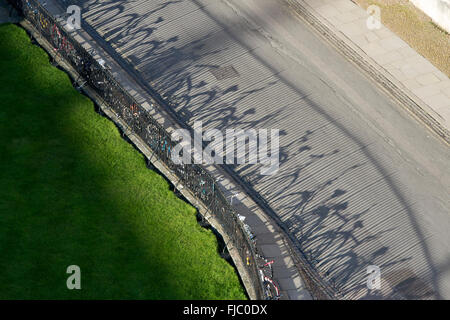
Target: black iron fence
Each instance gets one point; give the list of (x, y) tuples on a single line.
[(192, 176)]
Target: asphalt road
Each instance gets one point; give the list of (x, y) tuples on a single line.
[(360, 182)]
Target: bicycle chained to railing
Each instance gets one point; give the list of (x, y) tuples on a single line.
[(270, 287), (265, 270)]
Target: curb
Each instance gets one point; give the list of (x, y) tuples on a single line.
[(378, 74)]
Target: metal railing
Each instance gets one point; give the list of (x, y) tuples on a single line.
[(200, 183)]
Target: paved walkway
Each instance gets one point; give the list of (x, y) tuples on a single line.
[(421, 80)]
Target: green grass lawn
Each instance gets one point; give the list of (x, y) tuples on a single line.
[(73, 192)]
